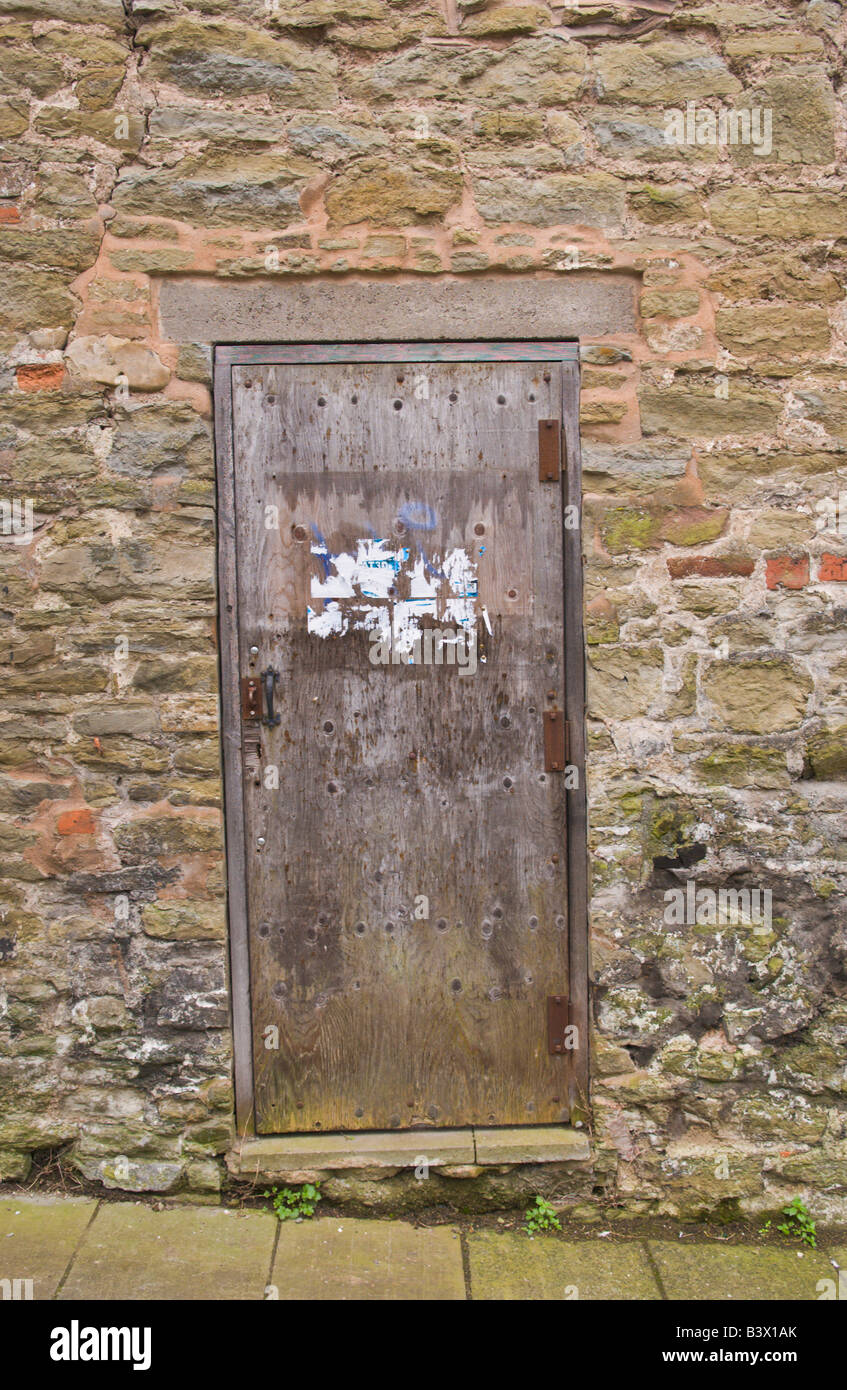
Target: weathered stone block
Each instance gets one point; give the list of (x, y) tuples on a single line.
[(784, 276), (163, 835), (218, 190), (593, 200), (671, 303), (803, 110), (503, 20), (122, 131), (663, 70), (623, 683), (757, 696), (32, 298), (225, 127), (534, 72), (693, 412), (743, 765), (658, 203), (217, 59), (392, 191), (185, 921), (773, 329), (826, 754), (109, 359), (784, 215)]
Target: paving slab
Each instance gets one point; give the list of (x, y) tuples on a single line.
[(292, 1153), (512, 1265), (38, 1236), (531, 1144), (360, 1259), (694, 1271), (133, 1252)]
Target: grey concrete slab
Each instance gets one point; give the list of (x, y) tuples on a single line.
[(440, 309), (694, 1270), (38, 1236), (294, 1153), (531, 1144), (357, 1259), (133, 1252), (512, 1265)]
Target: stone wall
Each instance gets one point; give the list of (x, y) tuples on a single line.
[(324, 138)]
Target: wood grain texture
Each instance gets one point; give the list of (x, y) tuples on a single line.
[(402, 782)]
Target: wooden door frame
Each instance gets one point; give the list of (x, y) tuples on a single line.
[(566, 353)]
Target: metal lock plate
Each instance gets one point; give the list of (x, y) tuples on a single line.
[(251, 699)]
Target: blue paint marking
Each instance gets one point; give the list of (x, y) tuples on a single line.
[(430, 569), (418, 516), (321, 550)]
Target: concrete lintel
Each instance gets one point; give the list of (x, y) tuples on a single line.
[(441, 309)]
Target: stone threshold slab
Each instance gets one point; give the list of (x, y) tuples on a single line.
[(290, 1153)]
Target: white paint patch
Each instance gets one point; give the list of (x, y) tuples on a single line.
[(445, 590)]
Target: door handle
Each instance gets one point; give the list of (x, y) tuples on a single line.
[(270, 679)]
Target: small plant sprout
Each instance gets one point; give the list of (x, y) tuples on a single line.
[(294, 1203), (799, 1222), (541, 1216)]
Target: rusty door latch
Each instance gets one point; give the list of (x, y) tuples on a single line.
[(252, 688)]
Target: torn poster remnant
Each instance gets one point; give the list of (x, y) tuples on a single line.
[(383, 589)]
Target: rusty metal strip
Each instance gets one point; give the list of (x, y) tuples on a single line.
[(554, 740), (558, 1012), (549, 451)]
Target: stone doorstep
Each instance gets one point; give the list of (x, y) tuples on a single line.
[(454, 1148)]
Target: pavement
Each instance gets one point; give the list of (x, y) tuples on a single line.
[(79, 1248)]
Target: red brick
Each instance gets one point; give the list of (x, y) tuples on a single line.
[(833, 569), (10, 215), (787, 571), (79, 822), (709, 567), (40, 376)]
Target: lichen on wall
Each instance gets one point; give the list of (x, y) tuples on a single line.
[(247, 140)]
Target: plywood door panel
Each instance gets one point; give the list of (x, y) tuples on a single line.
[(406, 910)]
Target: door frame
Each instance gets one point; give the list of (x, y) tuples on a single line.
[(564, 352)]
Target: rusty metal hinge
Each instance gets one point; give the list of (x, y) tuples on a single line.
[(557, 1022), (555, 737), (251, 699), (549, 451)]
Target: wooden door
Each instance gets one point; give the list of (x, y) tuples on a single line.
[(399, 593)]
